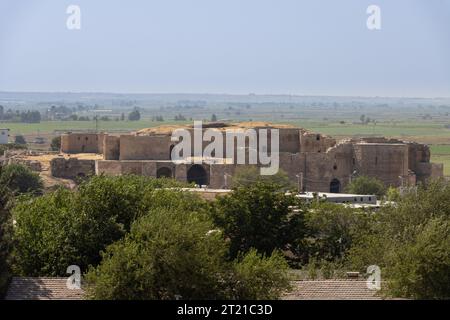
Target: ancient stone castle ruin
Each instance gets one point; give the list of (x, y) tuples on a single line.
[(314, 161)]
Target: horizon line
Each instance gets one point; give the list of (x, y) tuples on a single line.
[(229, 94)]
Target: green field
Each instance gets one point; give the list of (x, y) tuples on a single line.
[(400, 129), (440, 149), (441, 154), (48, 127)]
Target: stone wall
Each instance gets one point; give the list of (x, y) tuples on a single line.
[(82, 143), (387, 162), (33, 165), (155, 147), (111, 147), (321, 169), (72, 168), (289, 140)]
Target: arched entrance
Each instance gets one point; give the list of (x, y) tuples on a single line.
[(198, 175), (335, 186), (164, 172)]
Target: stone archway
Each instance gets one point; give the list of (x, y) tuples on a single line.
[(198, 175), (335, 186), (164, 172)]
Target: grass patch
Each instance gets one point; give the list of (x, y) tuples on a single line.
[(440, 149)]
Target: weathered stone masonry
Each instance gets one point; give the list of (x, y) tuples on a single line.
[(320, 161)]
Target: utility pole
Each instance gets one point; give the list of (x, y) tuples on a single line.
[(300, 182), (350, 179), (402, 188), (225, 178)]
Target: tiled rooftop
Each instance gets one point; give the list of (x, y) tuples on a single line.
[(28, 288), (343, 289), (55, 289)]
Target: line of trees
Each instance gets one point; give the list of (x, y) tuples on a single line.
[(20, 116)]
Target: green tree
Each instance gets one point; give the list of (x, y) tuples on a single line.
[(259, 216), (409, 241), (72, 227), (134, 115), (258, 277), (19, 139), (20, 179), (366, 185), (6, 227), (173, 254), (331, 229), (392, 194), (249, 175), (421, 269), (213, 118), (55, 145)]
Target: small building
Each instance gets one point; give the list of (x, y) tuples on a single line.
[(355, 201), (4, 136), (345, 198)]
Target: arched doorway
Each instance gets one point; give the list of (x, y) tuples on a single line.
[(164, 172), (335, 186), (198, 175)]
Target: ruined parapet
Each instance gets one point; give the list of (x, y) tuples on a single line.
[(71, 168), (418, 153), (378, 140), (314, 142), (33, 165)]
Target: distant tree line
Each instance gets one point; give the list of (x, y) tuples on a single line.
[(20, 116)]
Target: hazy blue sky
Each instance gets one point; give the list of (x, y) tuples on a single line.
[(227, 46)]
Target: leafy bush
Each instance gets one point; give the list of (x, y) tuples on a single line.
[(19, 139), (366, 185), (72, 227), (331, 229), (247, 176), (55, 145), (260, 217), (258, 277), (410, 243), (20, 179), (134, 115), (172, 254), (5, 238)]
